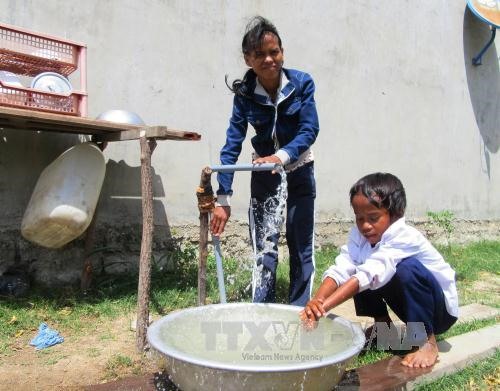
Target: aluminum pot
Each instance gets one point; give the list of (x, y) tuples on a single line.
[(248, 346), (121, 116)]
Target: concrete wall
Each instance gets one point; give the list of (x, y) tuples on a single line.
[(396, 92)]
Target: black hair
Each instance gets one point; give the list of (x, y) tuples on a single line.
[(383, 190), (254, 34), (255, 31)]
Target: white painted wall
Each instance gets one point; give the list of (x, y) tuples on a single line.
[(396, 92)]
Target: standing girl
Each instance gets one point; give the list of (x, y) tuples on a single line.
[(279, 104)]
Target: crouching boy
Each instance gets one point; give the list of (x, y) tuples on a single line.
[(387, 262)]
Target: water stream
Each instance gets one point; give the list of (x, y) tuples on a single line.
[(273, 217)]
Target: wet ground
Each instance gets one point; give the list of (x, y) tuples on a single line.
[(158, 381)]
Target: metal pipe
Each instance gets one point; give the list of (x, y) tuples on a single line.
[(220, 270), (246, 167)]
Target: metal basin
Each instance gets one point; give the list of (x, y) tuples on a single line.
[(121, 116), (247, 346)]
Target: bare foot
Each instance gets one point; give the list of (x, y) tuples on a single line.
[(425, 356)]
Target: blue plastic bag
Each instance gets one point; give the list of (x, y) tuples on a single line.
[(46, 337)]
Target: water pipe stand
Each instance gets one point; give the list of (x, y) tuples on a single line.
[(477, 60)]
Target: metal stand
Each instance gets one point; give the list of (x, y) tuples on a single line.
[(477, 60)]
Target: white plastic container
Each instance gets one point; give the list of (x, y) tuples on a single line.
[(65, 197)]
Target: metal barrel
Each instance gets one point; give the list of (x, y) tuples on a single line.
[(246, 167)]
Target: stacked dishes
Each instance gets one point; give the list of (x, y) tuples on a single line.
[(51, 82), (8, 92), (54, 83), (10, 78)]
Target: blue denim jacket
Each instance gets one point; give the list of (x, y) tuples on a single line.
[(295, 115)]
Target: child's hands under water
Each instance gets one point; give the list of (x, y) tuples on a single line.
[(311, 313)]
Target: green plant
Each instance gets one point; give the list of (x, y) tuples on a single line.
[(444, 220), (116, 364), (119, 360)]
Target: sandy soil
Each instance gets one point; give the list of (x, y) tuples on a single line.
[(103, 354)]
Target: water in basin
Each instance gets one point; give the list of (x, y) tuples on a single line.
[(230, 345)]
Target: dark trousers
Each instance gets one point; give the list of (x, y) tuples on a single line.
[(301, 187), (413, 294)]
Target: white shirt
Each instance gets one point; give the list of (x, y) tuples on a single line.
[(375, 266)]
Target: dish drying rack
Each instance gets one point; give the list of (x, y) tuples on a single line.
[(27, 53)]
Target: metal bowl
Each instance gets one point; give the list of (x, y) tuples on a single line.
[(121, 116), (51, 82), (10, 79), (247, 346)]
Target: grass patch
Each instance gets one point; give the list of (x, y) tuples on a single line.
[(68, 311), (477, 268), (468, 261), (54, 359), (118, 361), (483, 375), (466, 327), (118, 364), (369, 357), (93, 352)]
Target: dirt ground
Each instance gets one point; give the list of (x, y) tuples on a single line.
[(107, 352), (103, 354)]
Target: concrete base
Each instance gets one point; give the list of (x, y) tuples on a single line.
[(455, 354)]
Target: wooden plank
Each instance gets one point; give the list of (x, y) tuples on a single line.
[(157, 132), (36, 120), (20, 119)]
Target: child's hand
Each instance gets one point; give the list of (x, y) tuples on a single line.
[(313, 310), (309, 325)]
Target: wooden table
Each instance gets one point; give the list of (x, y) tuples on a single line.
[(103, 132)]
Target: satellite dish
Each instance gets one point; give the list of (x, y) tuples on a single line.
[(486, 10)]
